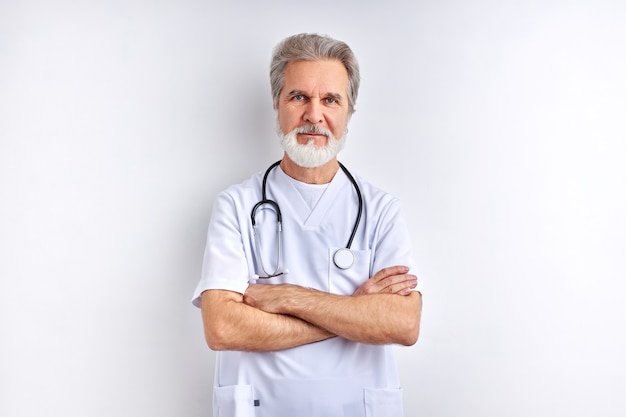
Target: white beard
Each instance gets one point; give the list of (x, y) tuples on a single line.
[(309, 155)]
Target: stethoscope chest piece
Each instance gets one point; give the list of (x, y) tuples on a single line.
[(343, 258)]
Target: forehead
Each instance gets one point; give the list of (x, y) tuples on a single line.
[(325, 76)]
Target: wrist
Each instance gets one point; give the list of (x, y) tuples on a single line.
[(297, 299)]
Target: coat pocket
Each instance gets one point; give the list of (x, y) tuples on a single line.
[(383, 402), (233, 401), (346, 281)]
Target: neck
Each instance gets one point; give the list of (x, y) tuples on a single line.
[(319, 175)]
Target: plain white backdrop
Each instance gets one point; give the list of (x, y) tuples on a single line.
[(500, 125)]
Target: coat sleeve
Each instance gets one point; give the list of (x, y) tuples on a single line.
[(225, 265), (392, 242)]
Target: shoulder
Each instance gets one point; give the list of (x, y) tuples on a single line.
[(237, 198), (381, 207), (249, 186), (372, 193)]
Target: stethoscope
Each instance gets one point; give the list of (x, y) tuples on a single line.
[(343, 258)]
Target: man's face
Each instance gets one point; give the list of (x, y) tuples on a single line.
[(314, 93)]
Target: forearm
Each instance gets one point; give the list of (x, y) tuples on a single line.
[(229, 324), (373, 318)]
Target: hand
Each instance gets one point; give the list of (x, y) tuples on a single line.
[(392, 280), (269, 298)]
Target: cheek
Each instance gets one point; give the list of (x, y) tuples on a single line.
[(338, 126), (286, 121)]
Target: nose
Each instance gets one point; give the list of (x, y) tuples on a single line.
[(313, 113)]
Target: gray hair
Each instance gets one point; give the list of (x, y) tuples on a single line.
[(313, 47)]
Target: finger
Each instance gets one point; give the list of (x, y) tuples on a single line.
[(402, 289), (392, 284), (398, 283), (390, 271)]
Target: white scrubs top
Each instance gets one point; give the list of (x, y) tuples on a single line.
[(334, 377)]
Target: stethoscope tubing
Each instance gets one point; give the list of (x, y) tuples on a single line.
[(274, 204), (265, 200), (360, 211)]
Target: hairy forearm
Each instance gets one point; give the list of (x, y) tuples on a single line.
[(230, 324), (373, 318)]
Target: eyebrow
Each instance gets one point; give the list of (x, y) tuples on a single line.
[(335, 96), (295, 93)]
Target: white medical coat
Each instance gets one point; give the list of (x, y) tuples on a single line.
[(334, 377)]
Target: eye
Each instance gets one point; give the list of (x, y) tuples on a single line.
[(298, 97), (333, 99)]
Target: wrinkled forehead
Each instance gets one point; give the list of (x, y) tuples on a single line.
[(327, 77)]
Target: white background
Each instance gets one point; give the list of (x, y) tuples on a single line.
[(500, 125)]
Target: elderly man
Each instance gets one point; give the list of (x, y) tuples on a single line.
[(303, 321)]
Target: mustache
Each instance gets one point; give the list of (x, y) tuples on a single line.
[(312, 129)]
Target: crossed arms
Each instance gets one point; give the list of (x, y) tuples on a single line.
[(275, 317)]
